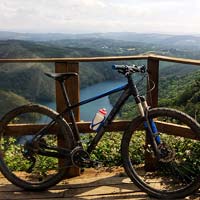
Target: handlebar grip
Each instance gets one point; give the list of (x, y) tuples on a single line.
[(118, 67), (125, 67)]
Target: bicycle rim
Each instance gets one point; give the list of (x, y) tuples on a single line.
[(177, 173)]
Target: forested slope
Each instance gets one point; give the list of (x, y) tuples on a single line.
[(24, 82)]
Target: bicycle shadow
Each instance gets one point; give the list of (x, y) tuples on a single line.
[(108, 188)]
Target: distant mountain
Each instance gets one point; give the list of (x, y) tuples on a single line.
[(5, 35), (184, 41)]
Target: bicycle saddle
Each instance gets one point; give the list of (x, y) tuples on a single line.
[(60, 76)]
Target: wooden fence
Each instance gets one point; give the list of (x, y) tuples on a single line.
[(73, 85)]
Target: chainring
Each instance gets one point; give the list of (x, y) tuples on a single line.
[(80, 158)]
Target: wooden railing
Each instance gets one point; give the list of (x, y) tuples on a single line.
[(73, 85)]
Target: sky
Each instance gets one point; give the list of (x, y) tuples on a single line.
[(91, 16)]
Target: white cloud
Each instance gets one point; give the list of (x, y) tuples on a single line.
[(100, 15)]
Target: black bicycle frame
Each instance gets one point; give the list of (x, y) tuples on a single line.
[(128, 90)]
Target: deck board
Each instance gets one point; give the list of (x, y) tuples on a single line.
[(92, 184)]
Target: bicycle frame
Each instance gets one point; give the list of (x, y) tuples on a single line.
[(128, 89)]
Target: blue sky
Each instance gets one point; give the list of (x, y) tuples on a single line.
[(86, 16)]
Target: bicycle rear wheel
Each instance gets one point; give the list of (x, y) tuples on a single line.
[(177, 173), (21, 163)]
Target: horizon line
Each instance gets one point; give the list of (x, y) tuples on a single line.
[(93, 33)]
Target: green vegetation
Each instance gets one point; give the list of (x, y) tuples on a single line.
[(25, 82), (17, 161), (107, 152), (10, 100), (182, 93), (108, 149)]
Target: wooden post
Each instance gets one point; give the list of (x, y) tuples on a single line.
[(152, 100), (153, 68), (73, 88), (72, 85)]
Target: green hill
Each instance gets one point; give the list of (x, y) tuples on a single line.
[(26, 80), (10, 100), (182, 93)]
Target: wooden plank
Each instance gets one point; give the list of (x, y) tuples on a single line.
[(80, 59), (100, 191), (108, 58), (30, 195), (93, 184), (23, 129), (90, 185), (174, 59), (103, 192), (90, 178), (178, 130)]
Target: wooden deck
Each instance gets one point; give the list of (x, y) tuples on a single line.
[(92, 184)]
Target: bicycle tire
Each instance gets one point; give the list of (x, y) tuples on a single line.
[(15, 164), (176, 175)]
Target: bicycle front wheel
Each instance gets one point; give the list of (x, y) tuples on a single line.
[(177, 173), (21, 163)]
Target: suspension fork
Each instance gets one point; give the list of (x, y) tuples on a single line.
[(150, 126)]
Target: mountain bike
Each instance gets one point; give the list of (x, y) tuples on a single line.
[(159, 148)]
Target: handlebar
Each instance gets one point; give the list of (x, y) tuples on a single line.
[(124, 69)]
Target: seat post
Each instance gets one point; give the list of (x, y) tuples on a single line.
[(64, 92)]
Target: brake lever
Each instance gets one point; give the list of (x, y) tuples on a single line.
[(143, 69), (121, 71)]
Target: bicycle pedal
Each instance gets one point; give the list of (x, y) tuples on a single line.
[(97, 164), (91, 163)]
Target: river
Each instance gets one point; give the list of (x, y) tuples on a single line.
[(88, 111)]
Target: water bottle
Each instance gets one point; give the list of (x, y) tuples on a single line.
[(98, 119)]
